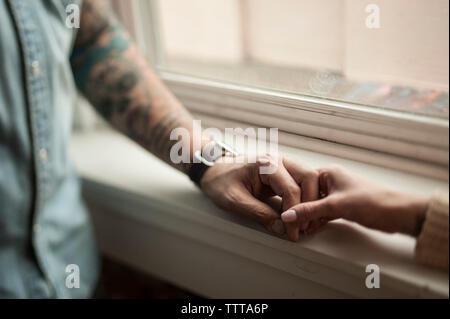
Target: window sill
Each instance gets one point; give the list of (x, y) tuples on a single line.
[(412, 143), (151, 217)]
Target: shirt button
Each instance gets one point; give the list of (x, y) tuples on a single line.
[(35, 67), (43, 155)]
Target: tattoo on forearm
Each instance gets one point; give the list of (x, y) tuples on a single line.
[(115, 78)]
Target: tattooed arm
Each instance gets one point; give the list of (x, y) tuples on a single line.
[(115, 77)]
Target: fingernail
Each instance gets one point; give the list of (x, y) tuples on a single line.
[(289, 216), (278, 227)]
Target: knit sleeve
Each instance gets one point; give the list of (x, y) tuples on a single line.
[(432, 243)]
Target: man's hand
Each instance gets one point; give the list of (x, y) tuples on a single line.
[(240, 187), (351, 197)]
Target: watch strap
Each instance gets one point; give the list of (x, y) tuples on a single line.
[(205, 161)]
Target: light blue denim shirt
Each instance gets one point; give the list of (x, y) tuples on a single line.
[(44, 226)]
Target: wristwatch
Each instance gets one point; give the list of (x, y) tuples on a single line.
[(206, 158)]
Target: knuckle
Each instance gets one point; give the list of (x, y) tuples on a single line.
[(270, 158), (293, 191), (306, 213), (312, 174), (268, 162), (262, 216), (232, 196)]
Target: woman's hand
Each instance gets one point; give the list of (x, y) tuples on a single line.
[(349, 196)]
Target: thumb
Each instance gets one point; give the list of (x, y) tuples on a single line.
[(310, 211)]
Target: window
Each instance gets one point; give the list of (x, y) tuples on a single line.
[(366, 74), (316, 47)]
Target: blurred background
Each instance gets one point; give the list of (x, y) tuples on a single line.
[(315, 47)]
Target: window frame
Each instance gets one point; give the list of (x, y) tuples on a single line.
[(390, 138)]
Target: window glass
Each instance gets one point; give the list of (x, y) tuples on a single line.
[(386, 53)]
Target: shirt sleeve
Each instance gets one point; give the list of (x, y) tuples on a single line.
[(432, 243)]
